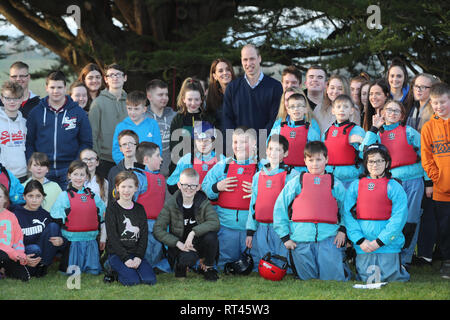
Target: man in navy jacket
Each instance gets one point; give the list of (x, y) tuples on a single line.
[(59, 128)]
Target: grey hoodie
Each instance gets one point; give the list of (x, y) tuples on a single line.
[(12, 143), (164, 127), (105, 113)]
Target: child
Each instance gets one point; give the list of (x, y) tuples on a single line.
[(79, 93), (307, 218), (375, 212), (151, 195), (266, 186), (12, 251), (188, 225), (190, 110), (14, 131), (12, 185), (205, 156), (342, 140), (146, 128), (79, 212), (297, 125), (158, 96), (403, 144), (59, 128), (230, 183), (128, 141), (38, 166), (97, 184), (106, 111), (436, 162), (126, 224), (41, 236)]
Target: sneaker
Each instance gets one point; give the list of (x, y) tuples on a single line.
[(180, 271), (41, 270), (110, 276), (445, 269), (420, 261), (211, 275)]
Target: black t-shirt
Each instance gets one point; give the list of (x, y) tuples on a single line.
[(189, 220)]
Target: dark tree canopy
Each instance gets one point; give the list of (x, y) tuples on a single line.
[(179, 38)]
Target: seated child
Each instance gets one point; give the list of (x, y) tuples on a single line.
[(205, 156), (79, 212), (188, 225), (41, 235), (375, 212), (230, 183), (296, 123), (126, 224), (146, 128), (266, 186), (38, 166), (151, 195), (12, 251), (307, 219), (12, 184), (342, 140)]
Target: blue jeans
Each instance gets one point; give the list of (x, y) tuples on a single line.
[(128, 276), (59, 176), (380, 267)]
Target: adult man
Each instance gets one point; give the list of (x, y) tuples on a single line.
[(315, 84), (19, 73), (252, 100), (291, 77)]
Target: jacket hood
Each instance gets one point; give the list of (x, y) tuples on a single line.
[(108, 95), (199, 197)]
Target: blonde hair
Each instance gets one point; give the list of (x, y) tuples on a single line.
[(282, 111), (326, 104)]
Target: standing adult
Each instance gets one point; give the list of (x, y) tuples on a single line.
[(315, 81), (92, 77), (251, 100), (291, 77), (19, 73)]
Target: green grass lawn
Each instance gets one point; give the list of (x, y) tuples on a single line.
[(425, 284)]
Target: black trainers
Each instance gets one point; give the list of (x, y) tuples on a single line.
[(445, 269), (211, 275), (110, 276), (180, 271), (420, 261), (41, 270)]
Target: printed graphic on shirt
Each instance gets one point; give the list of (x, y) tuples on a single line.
[(69, 123), (16, 138), (130, 228), (5, 232), (34, 229)]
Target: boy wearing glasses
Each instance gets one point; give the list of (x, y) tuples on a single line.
[(146, 128), (106, 111), (188, 225), (13, 132)]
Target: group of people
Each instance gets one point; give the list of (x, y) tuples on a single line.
[(326, 175)]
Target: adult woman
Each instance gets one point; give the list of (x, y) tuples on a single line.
[(220, 75), (378, 94), (364, 98), (92, 76), (397, 78), (79, 93)]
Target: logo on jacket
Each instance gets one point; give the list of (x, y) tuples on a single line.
[(149, 135), (83, 198), (371, 186), (269, 184), (391, 136), (205, 167), (240, 170), (292, 134), (335, 133), (17, 137), (316, 180), (69, 123)]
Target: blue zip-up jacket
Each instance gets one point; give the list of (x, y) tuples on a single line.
[(412, 171), (252, 224), (147, 130), (60, 135), (58, 211), (313, 133), (15, 188), (185, 162), (347, 174), (233, 219), (389, 232), (304, 231)]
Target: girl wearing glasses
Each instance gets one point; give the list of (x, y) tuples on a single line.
[(403, 143), (375, 212)]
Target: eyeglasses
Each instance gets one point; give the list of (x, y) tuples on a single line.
[(388, 110), (295, 107), (8, 99), (377, 162), (188, 186), (20, 76), (89, 159), (114, 75), (421, 88), (127, 144)]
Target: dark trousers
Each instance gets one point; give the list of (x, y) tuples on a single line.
[(103, 168), (207, 247), (130, 277), (13, 269), (442, 211), (428, 229)]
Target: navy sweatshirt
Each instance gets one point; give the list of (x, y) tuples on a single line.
[(32, 223)]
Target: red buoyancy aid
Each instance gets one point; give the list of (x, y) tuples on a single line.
[(340, 151), (202, 167), (233, 199), (297, 138), (83, 214), (153, 199), (315, 203), (401, 152), (4, 179), (269, 187), (373, 202)]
